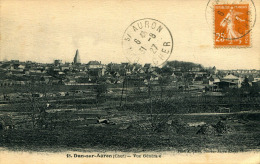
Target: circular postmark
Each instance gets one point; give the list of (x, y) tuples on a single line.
[(231, 19), (147, 40)]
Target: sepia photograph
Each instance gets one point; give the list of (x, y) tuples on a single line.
[(171, 81)]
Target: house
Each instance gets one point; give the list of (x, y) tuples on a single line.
[(65, 68), (21, 67), (94, 65), (95, 68), (213, 79), (199, 80), (213, 70), (135, 67), (212, 82), (232, 79), (126, 68), (256, 83), (69, 81), (195, 69), (225, 84), (18, 73), (96, 72), (155, 76), (148, 68), (256, 79), (57, 62)]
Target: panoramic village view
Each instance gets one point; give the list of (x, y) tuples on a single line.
[(179, 106)]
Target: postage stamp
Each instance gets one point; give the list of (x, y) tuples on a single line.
[(147, 40), (231, 22), (232, 25)]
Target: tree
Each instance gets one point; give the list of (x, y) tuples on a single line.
[(37, 105), (166, 70), (250, 78), (245, 83), (163, 81), (101, 89)]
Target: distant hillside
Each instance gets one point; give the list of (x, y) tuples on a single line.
[(183, 66)]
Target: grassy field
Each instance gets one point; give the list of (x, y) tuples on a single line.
[(180, 136), (172, 121), (243, 137)]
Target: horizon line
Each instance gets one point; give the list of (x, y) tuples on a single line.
[(125, 62)]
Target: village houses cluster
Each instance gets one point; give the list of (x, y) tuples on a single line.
[(181, 74)]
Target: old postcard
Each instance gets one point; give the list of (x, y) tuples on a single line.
[(171, 81)]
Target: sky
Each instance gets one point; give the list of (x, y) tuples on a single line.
[(43, 31)]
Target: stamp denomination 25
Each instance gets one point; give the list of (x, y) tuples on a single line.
[(147, 40), (232, 22), (232, 25)]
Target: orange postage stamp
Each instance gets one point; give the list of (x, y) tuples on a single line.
[(232, 25)]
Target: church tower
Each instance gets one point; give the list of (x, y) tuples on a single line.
[(76, 58)]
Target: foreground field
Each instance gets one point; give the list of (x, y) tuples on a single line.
[(141, 120), (133, 132)]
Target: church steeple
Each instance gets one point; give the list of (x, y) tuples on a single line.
[(76, 58)]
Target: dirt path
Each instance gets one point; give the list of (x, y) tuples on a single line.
[(205, 114)]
